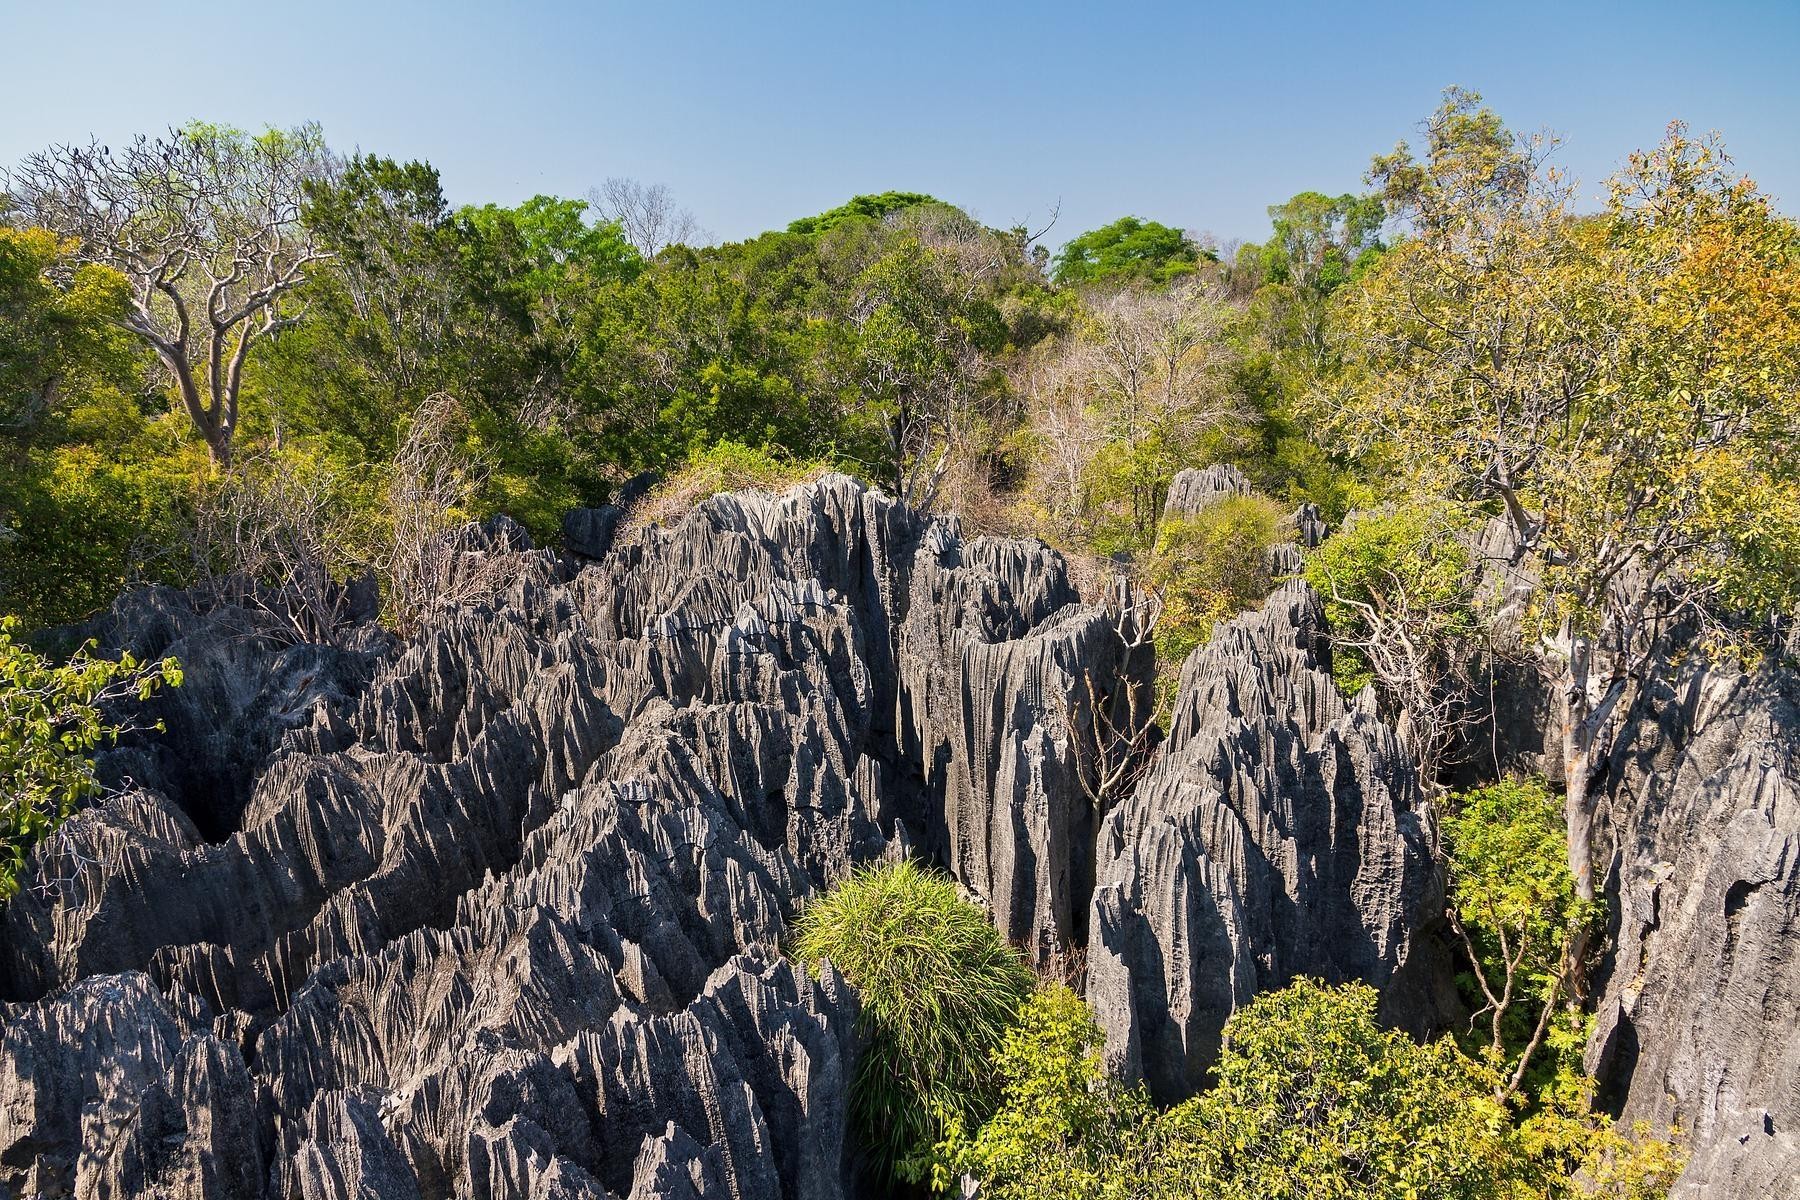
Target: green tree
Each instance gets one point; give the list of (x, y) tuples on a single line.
[(1319, 241), (52, 717), (486, 304), (926, 346), (1128, 249), (939, 991), (59, 332), (872, 207), (390, 322), (1064, 1127), (748, 342), (1311, 1098)]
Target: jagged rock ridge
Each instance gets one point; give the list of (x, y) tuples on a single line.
[(1276, 833), (1697, 1013), (494, 912)]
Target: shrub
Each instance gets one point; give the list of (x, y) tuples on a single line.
[(1064, 1128), (1404, 568), (51, 718), (939, 990), (726, 467), (284, 527), (1211, 566), (1513, 903), (1399, 591), (1314, 1098)]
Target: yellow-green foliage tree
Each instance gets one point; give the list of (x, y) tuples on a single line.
[(1312, 1099), (93, 489), (1624, 388), (1064, 1127)]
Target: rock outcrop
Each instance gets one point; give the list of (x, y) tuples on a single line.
[(1276, 832), (1194, 488), (1697, 1009), (495, 912)]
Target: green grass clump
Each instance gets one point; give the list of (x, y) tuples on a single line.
[(940, 990)]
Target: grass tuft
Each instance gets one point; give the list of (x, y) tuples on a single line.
[(939, 988)]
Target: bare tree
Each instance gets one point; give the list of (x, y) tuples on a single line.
[(1155, 356), (277, 535), (1067, 432), (1113, 726), (1145, 374), (205, 224), (1422, 659), (647, 212), (430, 560)]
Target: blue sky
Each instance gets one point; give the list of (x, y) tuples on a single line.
[(1199, 115)]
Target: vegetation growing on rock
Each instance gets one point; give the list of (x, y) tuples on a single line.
[(939, 992)]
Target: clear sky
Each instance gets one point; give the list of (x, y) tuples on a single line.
[(1199, 115)]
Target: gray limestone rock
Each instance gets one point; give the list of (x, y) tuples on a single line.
[(489, 913), (1277, 832), (1193, 488), (1699, 1002)]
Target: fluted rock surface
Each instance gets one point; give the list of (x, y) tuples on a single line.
[(1697, 1015), (1275, 833), (491, 913), (1193, 488)]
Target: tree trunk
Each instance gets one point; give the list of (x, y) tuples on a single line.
[(213, 424), (1578, 804), (1580, 729), (218, 444)]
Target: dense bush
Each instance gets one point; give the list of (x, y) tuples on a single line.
[(1064, 1127), (52, 718), (1312, 1098), (1211, 566), (939, 991), (86, 519), (95, 489)]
